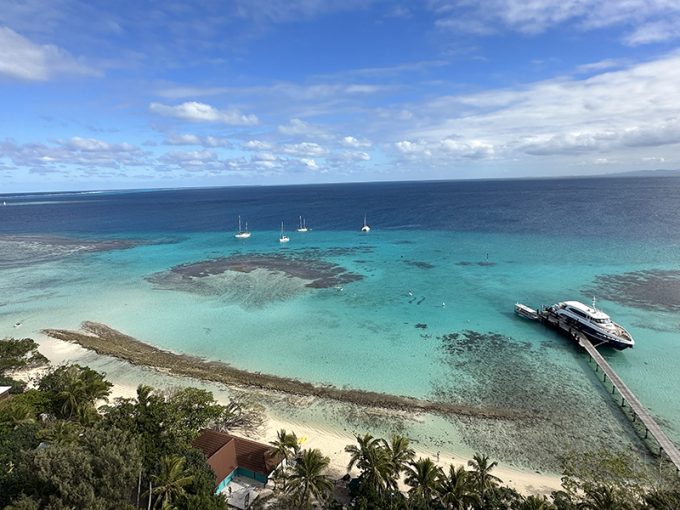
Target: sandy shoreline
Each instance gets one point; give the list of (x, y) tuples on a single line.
[(331, 441)]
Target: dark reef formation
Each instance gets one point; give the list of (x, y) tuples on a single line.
[(318, 273), (492, 369), (652, 289)]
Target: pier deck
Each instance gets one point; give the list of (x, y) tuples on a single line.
[(651, 427), (665, 444)]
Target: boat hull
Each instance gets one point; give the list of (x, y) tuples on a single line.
[(596, 336)]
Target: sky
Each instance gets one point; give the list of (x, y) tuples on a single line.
[(150, 94)]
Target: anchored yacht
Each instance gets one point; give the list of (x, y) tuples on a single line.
[(365, 228), (242, 234), (593, 323), (283, 238), (303, 225)]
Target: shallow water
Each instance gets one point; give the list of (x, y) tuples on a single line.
[(429, 316)]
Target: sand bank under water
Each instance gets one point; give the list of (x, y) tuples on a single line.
[(107, 341)]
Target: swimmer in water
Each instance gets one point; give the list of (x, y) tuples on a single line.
[(410, 293), (443, 305)]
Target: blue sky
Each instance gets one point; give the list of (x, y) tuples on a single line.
[(134, 94)]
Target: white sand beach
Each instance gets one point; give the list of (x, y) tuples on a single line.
[(331, 442)]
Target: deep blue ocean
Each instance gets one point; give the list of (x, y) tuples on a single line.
[(641, 208), (422, 305)]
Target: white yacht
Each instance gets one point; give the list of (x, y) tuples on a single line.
[(303, 225), (242, 234), (593, 323), (283, 238), (365, 228)]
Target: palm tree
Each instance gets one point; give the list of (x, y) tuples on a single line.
[(481, 472), (375, 463), (604, 497), (286, 446), (536, 503), (76, 390), (456, 490), (400, 454), (170, 483), (422, 476), (306, 482)]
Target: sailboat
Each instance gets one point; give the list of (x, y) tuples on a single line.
[(283, 238), (242, 234), (365, 228), (303, 225)]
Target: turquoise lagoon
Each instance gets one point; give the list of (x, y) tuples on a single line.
[(431, 317)]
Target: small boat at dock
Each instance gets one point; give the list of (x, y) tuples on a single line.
[(526, 312)]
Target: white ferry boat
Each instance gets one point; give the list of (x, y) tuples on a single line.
[(593, 323)]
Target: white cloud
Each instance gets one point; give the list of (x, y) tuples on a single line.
[(298, 127), (654, 32), (25, 60), (257, 145), (650, 20), (84, 153), (629, 110), (201, 112), (203, 141), (310, 163), (308, 149), (356, 156), (410, 148), (350, 141), (188, 158)]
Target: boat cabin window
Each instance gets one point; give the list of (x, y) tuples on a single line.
[(577, 312)]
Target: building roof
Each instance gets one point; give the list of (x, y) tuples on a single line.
[(249, 454)]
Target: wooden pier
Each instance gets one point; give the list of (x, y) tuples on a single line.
[(627, 396), (666, 446)]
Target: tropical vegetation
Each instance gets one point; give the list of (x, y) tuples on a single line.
[(63, 445)]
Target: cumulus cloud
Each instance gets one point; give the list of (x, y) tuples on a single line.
[(87, 153), (189, 159), (203, 141), (298, 127), (559, 117), (257, 145), (25, 60), (307, 149), (310, 164), (350, 141), (201, 112)]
